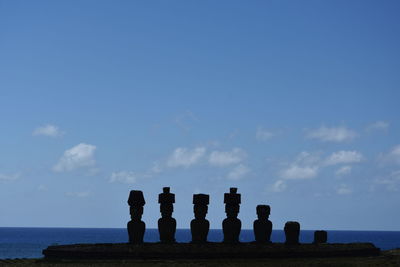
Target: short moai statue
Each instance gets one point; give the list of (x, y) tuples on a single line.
[(262, 227), (166, 224), (231, 226), (136, 227), (320, 237), (200, 226), (292, 233)]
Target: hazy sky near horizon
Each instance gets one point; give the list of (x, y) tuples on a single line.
[(296, 103)]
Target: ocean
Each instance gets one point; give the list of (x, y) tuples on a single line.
[(29, 242)]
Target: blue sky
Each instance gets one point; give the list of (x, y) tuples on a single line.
[(296, 103)]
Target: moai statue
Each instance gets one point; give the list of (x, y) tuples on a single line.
[(200, 226), (292, 232), (231, 226), (320, 237), (262, 227), (166, 224), (136, 226)]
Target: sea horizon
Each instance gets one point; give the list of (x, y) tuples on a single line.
[(151, 228), (28, 242)]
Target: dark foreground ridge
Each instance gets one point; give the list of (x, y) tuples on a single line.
[(207, 251)]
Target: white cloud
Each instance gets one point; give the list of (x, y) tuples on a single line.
[(81, 155), (378, 125), (396, 151), (344, 190), (305, 166), (344, 157), (391, 181), (48, 130), (9, 177), (78, 194), (343, 170), (264, 135), (157, 168), (307, 158), (184, 157), (393, 155), (299, 172), (334, 134), (123, 177), (279, 186), (225, 158), (238, 172)]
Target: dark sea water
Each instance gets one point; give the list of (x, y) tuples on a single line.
[(29, 242)]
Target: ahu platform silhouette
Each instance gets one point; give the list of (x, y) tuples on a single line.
[(200, 247)]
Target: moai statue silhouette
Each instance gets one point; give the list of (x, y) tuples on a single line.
[(292, 233), (136, 226), (166, 224), (200, 226), (320, 237), (262, 227), (231, 226)]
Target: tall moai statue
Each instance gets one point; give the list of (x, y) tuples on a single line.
[(200, 226), (166, 224), (231, 226), (262, 227), (136, 227), (292, 233)]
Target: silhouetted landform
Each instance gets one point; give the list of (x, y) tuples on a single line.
[(262, 227), (292, 233), (199, 248), (136, 226), (207, 251), (200, 226), (166, 224), (320, 237), (231, 226)]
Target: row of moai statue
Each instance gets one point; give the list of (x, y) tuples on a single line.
[(200, 226)]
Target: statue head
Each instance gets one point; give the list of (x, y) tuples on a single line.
[(263, 212), (232, 210), (136, 198), (166, 210), (200, 211)]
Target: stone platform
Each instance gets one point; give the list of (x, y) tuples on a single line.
[(207, 251)]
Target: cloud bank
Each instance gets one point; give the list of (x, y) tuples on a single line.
[(334, 134), (264, 135), (123, 177), (225, 158), (184, 157), (238, 172), (378, 126), (343, 190), (9, 177), (299, 172), (47, 130), (345, 157), (81, 155), (343, 170)]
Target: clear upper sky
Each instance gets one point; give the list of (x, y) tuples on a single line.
[(296, 103)]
